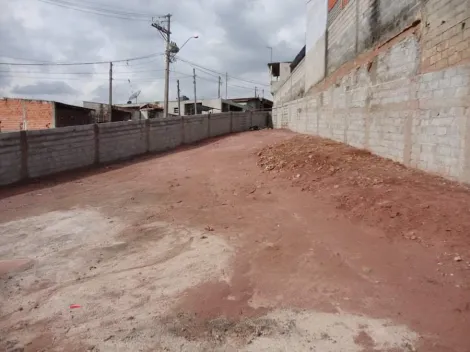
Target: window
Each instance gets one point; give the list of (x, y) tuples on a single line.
[(176, 111)]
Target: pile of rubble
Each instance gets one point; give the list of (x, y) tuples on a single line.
[(377, 191)]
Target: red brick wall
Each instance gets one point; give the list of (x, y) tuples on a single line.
[(39, 114)]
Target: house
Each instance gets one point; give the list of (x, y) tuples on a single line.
[(204, 106), (142, 111), (18, 114), (254, 103), (124, 112)]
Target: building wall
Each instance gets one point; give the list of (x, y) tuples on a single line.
[(357, 25), (293, 87), (385, 101), (69, 116), (446, 34), (284, 74), (219, 105), (100, 111), (22, 114), (317, 15), (29, 154)]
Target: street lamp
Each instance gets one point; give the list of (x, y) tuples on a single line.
[(193, 37), (271, 48), (175, 49)]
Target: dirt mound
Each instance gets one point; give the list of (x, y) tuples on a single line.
[(403, 202)]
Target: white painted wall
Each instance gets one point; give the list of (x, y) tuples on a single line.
[(317, 15), (293, 86)]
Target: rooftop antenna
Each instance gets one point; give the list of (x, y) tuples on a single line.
[(134, 96)]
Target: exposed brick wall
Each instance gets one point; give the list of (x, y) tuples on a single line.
[(446, 34), (22, 114)]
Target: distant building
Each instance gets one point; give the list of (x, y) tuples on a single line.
[(25, 114), (204, 106), (123, 112), (142, 111), (254, 103)]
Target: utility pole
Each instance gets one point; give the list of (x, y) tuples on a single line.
[(271, 49), (110, 107), (166, 33), (220, 83), (256, 92), (195, 99), (179, 99), (226, 85)]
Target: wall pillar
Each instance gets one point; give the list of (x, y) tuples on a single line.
[(182, 130), (24, 155), (147, 135), (466, 148), (96, 133), (208, 125), (231, 122)]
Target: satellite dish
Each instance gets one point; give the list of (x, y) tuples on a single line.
[(135, 95)]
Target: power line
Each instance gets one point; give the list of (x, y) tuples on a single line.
[(221, 73), (77, 63), (92, 4), (83, 78), (139, 64), (230, 85), (33, 74), (108, 12)]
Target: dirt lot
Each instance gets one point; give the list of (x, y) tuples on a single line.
[(262, 241)]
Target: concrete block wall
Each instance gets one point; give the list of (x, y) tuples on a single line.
[(122, 140), (446, 34), (293, 87), (259, 119), (10, 156), (196, 128), (58, 150), (240, 122), (165, 134), (220, 124), (29, 154), (441, 129), (341, 36), (360, 24), (409, 98), (388, 106)]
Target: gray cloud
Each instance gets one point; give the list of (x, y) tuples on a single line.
[(233, 38), (56, 88)]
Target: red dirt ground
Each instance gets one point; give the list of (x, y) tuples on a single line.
[(316, 226)]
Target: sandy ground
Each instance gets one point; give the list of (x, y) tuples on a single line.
[(262, 241)]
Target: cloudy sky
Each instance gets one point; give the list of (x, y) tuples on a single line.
[(233, 36)]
